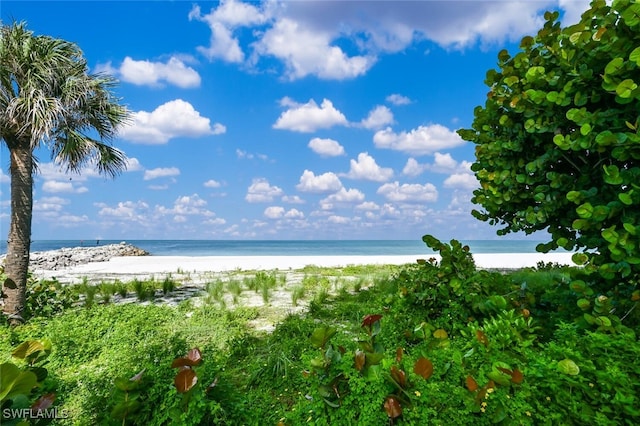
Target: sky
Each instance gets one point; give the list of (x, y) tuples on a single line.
[(280, 119)]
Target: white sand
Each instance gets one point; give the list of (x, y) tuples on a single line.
[(168, 264)]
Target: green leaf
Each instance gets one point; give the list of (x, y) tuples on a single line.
[(585, 211), (580, 258), (626, 87), (321, 336), (634, 56), (614, 66), (15, 381), (567, 366), (625, 197)]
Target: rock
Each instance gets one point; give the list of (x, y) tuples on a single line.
[(66, 257)]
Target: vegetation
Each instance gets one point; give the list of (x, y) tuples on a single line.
[(558, 139), (48, 98), (431, 343)]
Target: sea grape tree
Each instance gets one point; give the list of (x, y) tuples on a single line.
[(558, 139)]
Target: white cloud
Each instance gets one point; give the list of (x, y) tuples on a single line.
[(413, 168), (4, 178), (274, 212), (294, 214), (461, 180), (249, 156), (326, 182), (307, 52), (573, 10), (368, 205), (171, 120), (420, 141), (409, 192), (326, 147), (260, 191), (125, 210), (212, 184), (365, 167), (133, 165), (174, 72), (49, 204), (309, 117), (222, 21), (397, 99), (340, 220), (55, 186), (292, 199), (161, 172), (378, 117), (342, 196)]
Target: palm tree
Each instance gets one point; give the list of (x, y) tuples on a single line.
[(48, 98)]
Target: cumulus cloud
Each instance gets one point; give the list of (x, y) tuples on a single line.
[(326, 147), (55, 186), (365, 167), (260, 191), (161, 172), (326, 182), (378, 117), (397, 99), (223, 20), (341, 197), (421, 141), (461, 180), (413, 168), (149, 73), (292, 199), (171, 120), (212, 184), (307, 52), (309, 117), (132, 210), (277, 212), (50, 204), (409, 193)]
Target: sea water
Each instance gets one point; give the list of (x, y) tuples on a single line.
[(287, 248)]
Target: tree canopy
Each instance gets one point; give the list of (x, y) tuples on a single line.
[(558, 140)]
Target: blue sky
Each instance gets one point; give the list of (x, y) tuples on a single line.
[(280, 119)]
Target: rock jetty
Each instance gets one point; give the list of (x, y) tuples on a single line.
[(54, 260)]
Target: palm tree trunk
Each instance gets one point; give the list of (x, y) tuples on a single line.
[(19, 241)]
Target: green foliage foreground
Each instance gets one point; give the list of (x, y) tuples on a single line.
[(433, 343)]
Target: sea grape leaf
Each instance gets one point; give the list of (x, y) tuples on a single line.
[(321, 336), (471, 384), (569, 367), (44, 402), (482, 338), (360, 359), (399, 376), (369, 320), (15, 381), (185, 380), (423, 367), (392, 407)]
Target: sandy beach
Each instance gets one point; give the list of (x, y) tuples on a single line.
[(149, 265)]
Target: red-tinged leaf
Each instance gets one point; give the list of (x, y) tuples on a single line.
[(368, 320), (306, 373), (360, 359), (399, 353), (185, 380), (471, 383), (138, 376), (195, 355), (517, 377), (44, 402), (423, 367), (399, 376), (342, 350), (392, 407), (482, 338), (491, 385)]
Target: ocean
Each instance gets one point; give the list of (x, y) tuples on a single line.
[(287, 248)]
